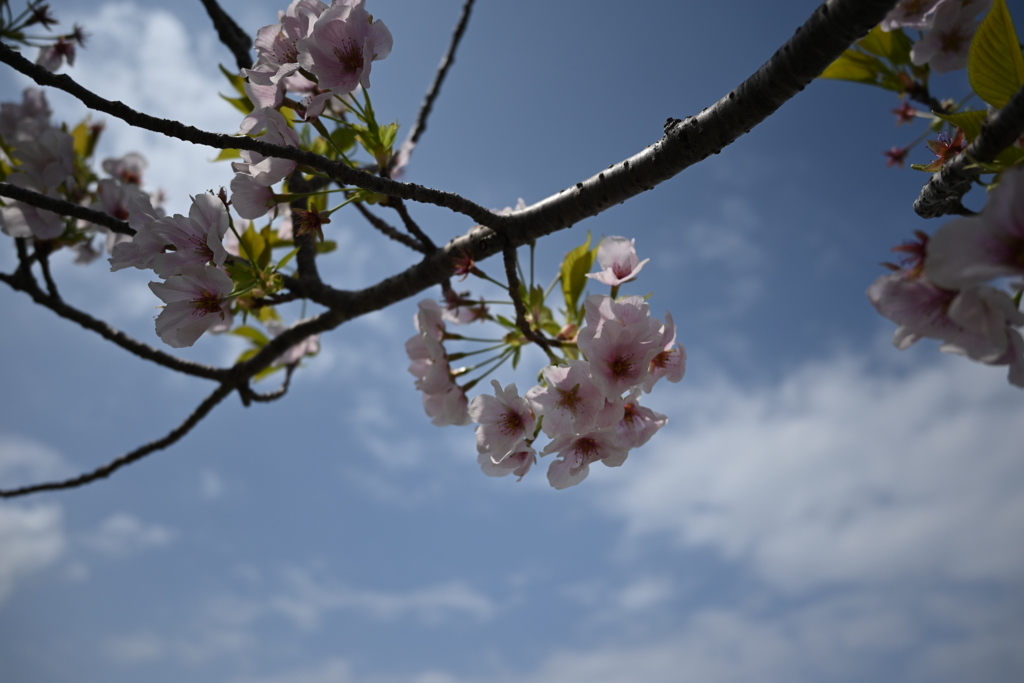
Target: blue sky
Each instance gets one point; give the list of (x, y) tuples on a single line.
[(820, 507)]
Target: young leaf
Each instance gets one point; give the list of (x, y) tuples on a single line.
[(575, 267), (995, 64)]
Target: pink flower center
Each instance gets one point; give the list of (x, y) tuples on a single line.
[(511, 423), (622, 367), (207, 303), (350, 56), (569, 400)]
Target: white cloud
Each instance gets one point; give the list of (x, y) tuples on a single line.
[(306, 600), (31, 538), (840, 474), (122, 534)]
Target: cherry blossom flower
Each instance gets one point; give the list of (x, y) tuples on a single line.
[(18, 219), (443, 400), (249, 198), (128, 169), (976, 322), (619, 261), (25, 121), (197, 239), (140, 250), (620, 341), (197, 300), (344, 42), (569, 400), (504, 420), (268, 171), (944, 48), (975, 249), (638, 423), (517, 462), (917, 14), (670, 362), (576, 452)]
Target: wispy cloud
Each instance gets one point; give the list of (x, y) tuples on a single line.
[(841, 473), (122, 534)]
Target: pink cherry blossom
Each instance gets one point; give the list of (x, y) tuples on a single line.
[(18, 219), (517, 462), (249, 198), (638, 423), (569, 399), (140, 250), (447, 408), (25, 121), (197, 239), (504, 420), (620, 355), (197, 300), (670, 362), (128, 169), (990, 245), (945, 46), (270, 170), (976, 322), (576, 452), (619, 261), (344, 42), (910, 14)]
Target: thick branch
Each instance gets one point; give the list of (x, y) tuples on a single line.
[(402, 158), (944, 192), (59, 206), (175, 435), (230, 33)]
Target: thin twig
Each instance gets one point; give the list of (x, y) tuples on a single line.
[(336, 170), (24, 282), (175, 435), (944, 192), (389, 231), (250, 396), (411, 225), (230, 33), (522, 323), (59, 206), (405, 151)]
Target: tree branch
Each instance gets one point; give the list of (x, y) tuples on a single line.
[(230, 33), (944, 192), (105, 471), (405, 151), (336, 170), (59, 206), (509, 253), (387, 230), (24, 282)]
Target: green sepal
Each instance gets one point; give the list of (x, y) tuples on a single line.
[(995, 64)]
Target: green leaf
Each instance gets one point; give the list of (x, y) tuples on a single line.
[(252, 334), (575, 267), (236, 80), (85, 137), (226, 154), (858, 67), (969, 121), (287, 258), (326, 247), (242, 104), (894, 45), (253, 245), (995, 64)]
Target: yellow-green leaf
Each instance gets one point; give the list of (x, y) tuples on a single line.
[(575, 267), (995, 64)]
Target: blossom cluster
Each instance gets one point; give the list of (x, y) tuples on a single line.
[(42, 157), (587, 404), (945, 287), (318, 52)]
